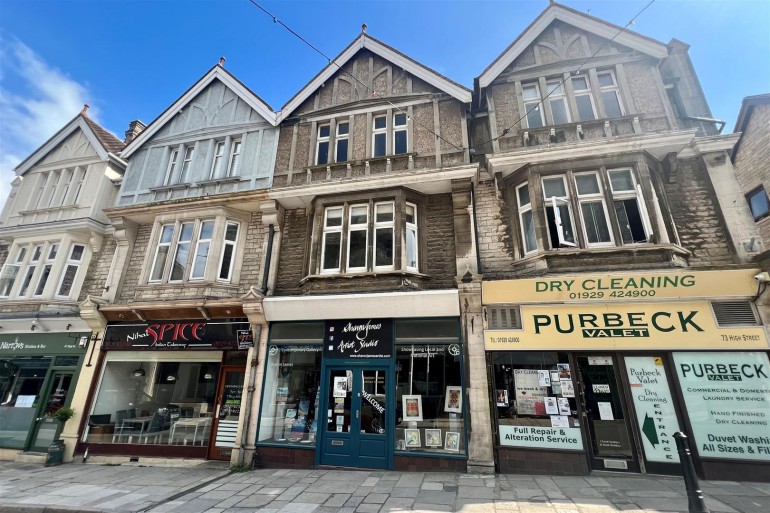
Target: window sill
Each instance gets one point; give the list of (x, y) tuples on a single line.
[(188, 284), (371, 274), (224, 179), (346, 163), (173, 187), (614, 257)]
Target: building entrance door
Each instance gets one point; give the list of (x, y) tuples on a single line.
[(610, 438), (227, 412), (356, 432), (55, 396)]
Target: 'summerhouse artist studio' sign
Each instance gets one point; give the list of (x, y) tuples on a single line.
[(359, 338)]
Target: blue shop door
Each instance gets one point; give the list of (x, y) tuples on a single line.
[(356, 425)]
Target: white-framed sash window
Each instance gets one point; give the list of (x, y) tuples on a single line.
[(557, 100), (593, 210), (379, 136), (400, 133), (586, 111), (630, 207), (412, 245), (383, 235), (526, 219), (202, 248), (45, 273), (534, 113), (71, 268), (182, 252), (218, 160), (11, 271), (235, 158), (331, 243), (342, 142), (229, 246), (610, 94), (358, 238), (558, 211), (161, 252)]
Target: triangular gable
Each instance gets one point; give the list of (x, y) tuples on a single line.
[(103, 143), (388, 53), (579, 20), (215, 73)]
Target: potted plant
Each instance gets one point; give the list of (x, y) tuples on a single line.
[(56, 449)]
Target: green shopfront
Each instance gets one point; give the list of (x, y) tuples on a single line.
[(364, 393), (38, 373)]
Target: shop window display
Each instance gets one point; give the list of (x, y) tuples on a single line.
[(290, 399), (141, 402), (429, 399), (535, 400), (21, 389)]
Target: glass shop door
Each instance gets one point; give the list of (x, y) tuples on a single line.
[(55, 397)]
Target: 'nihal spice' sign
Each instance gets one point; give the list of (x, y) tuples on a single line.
[(178, 335)]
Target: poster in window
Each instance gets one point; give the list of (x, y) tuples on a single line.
[(340, 386), (530, 396), (502, 398), (567, 388), (544, 377), (564, 408), (433, 437), (339, 405), (412, 405), (564, 372), (454, 399), (452, 441), (551, 408)]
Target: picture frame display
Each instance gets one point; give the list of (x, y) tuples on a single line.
[(452, 441), (412, 438), (433, 438), (412, 407), (453, 401)]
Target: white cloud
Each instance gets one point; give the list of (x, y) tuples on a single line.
[(36, 100)]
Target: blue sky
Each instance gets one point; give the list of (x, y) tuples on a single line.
[(130, 59)]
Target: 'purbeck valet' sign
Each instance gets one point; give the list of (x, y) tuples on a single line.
[(359, 338), (178, 335)]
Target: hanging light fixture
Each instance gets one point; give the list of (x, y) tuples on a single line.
[(139, 373), (171, 378)]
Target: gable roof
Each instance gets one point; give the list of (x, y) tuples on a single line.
[(217, 72), (388, 53), (747, 106), (105, 143), (577, 19)]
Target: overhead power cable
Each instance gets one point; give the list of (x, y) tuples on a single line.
[(575, 72), (369, 89)]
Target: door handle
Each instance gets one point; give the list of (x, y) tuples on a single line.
[(39, 419), (357, 411)]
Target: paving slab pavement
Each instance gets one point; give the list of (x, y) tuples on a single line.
[(212, 488)]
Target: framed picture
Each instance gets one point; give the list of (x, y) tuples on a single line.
[(452, 441), (412, 405), (412, 438), (454, 399), (433, 437)]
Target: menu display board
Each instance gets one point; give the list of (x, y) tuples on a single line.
[(727, 395)]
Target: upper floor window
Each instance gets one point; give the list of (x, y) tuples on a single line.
[(187, 164), (171, 165), (34, 263), (758, 202), (174, 261), (583, 98), (557, 100), (531, 95), (608, 87), (322, 145), (577, 210), (367, 233), (217, 161), (235, 158), (343, 133), (397, 130)]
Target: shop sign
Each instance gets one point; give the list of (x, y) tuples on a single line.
[(178, 335), (359, 338), (727, 395), (663, 325), (34, 344), (623, 287), (654, 407), (541, 436)]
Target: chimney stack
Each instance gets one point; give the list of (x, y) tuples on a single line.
[(134, 128)]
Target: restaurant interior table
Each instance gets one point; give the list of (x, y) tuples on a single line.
[(129, 428), (195, 424)]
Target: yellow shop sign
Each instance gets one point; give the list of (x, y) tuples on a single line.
[(663, 325), (623, 287)]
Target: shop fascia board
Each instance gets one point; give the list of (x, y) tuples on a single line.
[(149, 306), (429, 182), (657, 145), (247, 201), (429, 303), (45, 325)]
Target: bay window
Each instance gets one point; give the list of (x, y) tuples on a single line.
[(31, 268), (46, 272), (369, 237), (174, 261), (71, 268), (526, 219), (11, 271), (584, 202)]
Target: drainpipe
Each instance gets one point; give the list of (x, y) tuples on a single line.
[(268, 259)]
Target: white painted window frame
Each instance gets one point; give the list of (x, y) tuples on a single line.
[(556, 97), (178, 242), (35, 257), (413, 227), (321, 140), (159, 244), (331, 229), (49, 262), (557, 201), (234, 162), (400, 128), (593, 198), (379, 226), (341, 137), (379, 131), (356, 228), (532, 101), (218, 160), (199, 241), (228, 243), (637, 194), (71, 262), (172, 160), (523, 209), (614, 88), (584, 92)]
